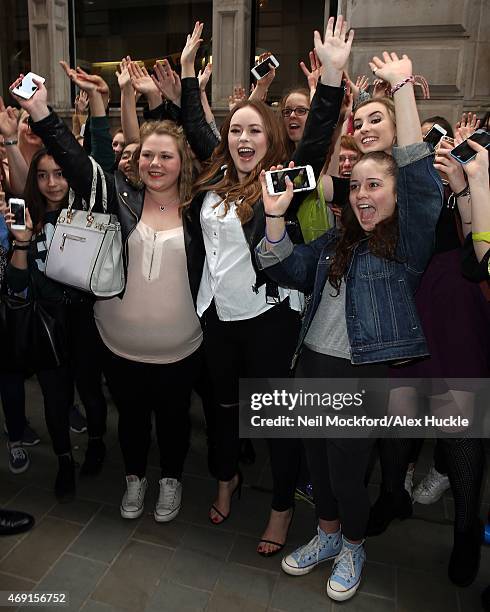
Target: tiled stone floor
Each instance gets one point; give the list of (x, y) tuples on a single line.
[(110, 564)]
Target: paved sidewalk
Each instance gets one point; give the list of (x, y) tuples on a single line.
[(111, 564)]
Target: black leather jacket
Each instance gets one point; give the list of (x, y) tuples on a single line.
[(313, 149)]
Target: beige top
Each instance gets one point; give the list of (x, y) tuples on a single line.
[(155, 321)]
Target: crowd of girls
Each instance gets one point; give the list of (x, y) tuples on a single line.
[(217, 270)]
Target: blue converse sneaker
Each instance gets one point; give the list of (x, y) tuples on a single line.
[(322, 547), (346, 573)]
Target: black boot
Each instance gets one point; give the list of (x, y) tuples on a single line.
[(94, 457), (64, 486), (387, 507), (12, 522), (465, 556)]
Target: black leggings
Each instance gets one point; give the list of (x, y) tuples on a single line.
[(338, 466), (138, 389), (261, 347)]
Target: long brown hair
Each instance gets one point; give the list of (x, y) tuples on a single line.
[(229, 188), (383, 239), (35, 201), (169, 128)]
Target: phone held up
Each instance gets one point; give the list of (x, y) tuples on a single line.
[(464, 153), (27, 88), (302, 177), (18, 209), (435, 134), (260, 70)]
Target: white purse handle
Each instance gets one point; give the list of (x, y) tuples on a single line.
[(96, 171)]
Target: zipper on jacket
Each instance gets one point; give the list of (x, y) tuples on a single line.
[(126, 256), (152, 255)]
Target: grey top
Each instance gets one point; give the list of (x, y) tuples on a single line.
[(327, 333)]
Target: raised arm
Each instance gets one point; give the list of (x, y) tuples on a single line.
[(129, 117), (398, 73), (61, 143), (95, 87), (477, 173), (199, 134), (18, 167), (333, 53)]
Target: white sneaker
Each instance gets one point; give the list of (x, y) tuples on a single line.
[(431, 487), (133, 501), (169, 500), (409, 481)]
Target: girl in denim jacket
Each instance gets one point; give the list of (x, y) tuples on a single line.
[(362, 313)]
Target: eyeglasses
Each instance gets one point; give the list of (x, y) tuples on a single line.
[(299, 111)]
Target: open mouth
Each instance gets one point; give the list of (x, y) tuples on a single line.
[(246, 153), (366, 213), (368, 140), (346, 173), (155, 174), (294, 126)]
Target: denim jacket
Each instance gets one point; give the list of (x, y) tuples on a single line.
[(382, 320)]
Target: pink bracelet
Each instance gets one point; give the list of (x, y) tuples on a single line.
[(395, 88)]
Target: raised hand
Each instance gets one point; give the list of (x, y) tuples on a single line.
[(37, 105), (204, 76), (101, 85), (468, 121), (141, 80), (8, 121), (347, 102), (192, 45), (333, 52), (84, 84), (81, 103), (237, 96), (361, 85), (391, 68), (123, 76), (313, 74), (167, 81)]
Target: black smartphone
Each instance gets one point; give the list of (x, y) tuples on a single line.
[(464, 153)]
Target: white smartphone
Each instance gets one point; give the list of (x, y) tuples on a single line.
[(302, 177), (260, 70), (18, 209), (27, 87), (435, 134), (464, 153)]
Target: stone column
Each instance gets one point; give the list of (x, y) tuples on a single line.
[(231, 48), (49, 36)]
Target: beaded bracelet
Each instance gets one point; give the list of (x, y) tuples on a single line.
[(276, 241), (395, 88), (480, 236)]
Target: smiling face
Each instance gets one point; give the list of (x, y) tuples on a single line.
[(247, 140), (374, 128), (295, 123), (159, 163), (372, 193), (50, 181)]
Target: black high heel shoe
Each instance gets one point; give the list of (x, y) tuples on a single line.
[(238, 491), (280, 546)]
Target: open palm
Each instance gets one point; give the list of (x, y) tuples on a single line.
[(335, 48)]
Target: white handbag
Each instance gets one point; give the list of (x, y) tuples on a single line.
[(86, 249)]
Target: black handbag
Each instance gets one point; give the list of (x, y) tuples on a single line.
[(33, 332)]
